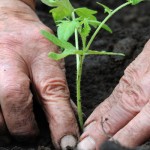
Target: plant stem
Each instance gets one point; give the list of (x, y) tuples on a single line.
[(80, 59), (79, 64), (104, 21), (78, 89), (76, 33)]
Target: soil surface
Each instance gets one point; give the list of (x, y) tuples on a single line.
[(131, 30)]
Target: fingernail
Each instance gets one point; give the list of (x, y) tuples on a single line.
[(68, 142), (87, 143)]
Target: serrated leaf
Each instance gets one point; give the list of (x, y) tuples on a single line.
[(66, 29), (86, 13), (97, 23), (64, 54), (106, 8), (93, 52), (56, 41), (135, 2), (63, 8), (85, 28), (84, 31), (59, 13)]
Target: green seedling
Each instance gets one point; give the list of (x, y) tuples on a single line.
[(78, 22)]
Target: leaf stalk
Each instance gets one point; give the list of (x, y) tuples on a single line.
[(104, 21)]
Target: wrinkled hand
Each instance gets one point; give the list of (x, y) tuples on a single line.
[(125, 115), (23, 62)]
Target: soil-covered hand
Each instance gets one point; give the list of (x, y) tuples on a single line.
[(24, 63), (125, 115)]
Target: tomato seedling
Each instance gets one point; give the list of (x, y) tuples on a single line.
[(78, 22)]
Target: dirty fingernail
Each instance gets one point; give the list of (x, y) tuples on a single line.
[(68, 142), (87, 144)]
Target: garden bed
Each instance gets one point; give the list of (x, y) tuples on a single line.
[(131, 30)]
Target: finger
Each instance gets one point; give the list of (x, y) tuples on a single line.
[(93, 130), (4, 135), (16, 99), (94, 134), (137, 130), (50, 82)]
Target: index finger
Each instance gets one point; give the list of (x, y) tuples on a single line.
[(51, 85)]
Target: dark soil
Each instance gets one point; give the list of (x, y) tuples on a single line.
[(131, 30)]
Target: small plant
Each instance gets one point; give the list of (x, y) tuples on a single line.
[(78, 22)]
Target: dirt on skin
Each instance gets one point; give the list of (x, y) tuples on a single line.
[(131, 30)]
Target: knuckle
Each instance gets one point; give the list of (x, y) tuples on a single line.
[(134, 98), (54, 89), (107, 128), (133, 94)]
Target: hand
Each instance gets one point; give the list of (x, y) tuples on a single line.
[(125, 115), (24, 61)]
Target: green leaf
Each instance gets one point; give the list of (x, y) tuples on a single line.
[(84, 31), (135, 2), (64, 54), (56, 41), (106, 8), (63, 8), (86, 13), (66, 29), (59, 13), (95, 23), (67, 52), (93, 52)]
